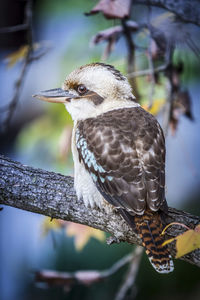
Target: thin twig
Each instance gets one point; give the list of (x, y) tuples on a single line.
[(38, 56), (150, 62), (141, 73), (153, 82), (169, 90), (167, 108), (131, 274), (19, 82), (15, 28), (18, 86), (131, 55), (130, 46), (118, 265), (81, 276)]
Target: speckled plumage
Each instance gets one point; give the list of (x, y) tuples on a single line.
[(125, 151)]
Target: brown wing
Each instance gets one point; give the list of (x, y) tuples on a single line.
[(124, 151)]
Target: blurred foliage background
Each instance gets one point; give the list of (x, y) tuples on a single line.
[(39, 136)]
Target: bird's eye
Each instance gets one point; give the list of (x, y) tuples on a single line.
[(81, 89)]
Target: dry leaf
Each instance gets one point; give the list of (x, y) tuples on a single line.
[(112, 9), (19, 55), (181, 106), (111, 36), (49, 224), (16, 56), (107, 34), (185, 242), (156, 107), (82, 234), (113, 32), (188, 241)]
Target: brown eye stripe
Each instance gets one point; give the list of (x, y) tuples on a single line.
[(94, 97)]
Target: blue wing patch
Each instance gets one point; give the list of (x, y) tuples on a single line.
[(89, 159)]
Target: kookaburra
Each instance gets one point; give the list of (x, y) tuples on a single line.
[(119, 153)]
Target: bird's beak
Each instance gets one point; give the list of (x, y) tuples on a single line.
[(55, 96)]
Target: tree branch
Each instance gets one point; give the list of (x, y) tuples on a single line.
[(53, 195)]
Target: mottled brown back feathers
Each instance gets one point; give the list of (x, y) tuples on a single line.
[(129, 145)]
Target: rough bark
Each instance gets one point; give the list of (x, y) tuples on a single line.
[(52, 194), (186, 10)]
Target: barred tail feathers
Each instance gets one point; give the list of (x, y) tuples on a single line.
[(149, 227)]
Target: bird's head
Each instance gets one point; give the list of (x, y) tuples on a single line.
[(90, 90)]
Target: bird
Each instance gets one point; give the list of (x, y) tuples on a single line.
[(118, 150)]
